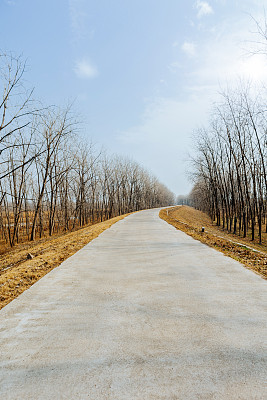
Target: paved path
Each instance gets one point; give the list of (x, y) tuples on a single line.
[(142, 312)]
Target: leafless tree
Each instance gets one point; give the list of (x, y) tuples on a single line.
[(17, 109), (259, 44), (230, 168), (54, 128)]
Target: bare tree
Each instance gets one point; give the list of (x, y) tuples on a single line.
[(16, 109), (55, 127), (230, 168), (259, 44)]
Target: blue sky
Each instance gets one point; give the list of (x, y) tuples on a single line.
[(143, 73)]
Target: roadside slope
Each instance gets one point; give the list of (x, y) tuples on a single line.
[(190, 221)]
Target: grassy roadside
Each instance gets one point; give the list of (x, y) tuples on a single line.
[(190, 221), (17, 273)]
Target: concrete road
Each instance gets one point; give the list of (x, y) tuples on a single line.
[(142, 312)]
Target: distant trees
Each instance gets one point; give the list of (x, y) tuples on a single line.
[(230, 170), (183, 200), (49, 182)]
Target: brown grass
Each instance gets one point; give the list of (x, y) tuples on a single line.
[(190, 221), (17, 273), (24, 234)]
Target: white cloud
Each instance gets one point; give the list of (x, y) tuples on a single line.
[(203, 8), (189, 49), (85, 70)]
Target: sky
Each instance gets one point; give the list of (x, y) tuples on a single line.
[(143, 74)]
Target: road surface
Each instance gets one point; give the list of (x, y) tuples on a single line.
[(142, 312)]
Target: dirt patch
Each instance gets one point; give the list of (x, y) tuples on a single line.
[(18, 272), (191, 221)]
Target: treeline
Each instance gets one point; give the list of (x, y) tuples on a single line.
[(230, 169), (183, 200), (49, 182)]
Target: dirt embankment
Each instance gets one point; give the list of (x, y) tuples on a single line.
[(191, 221), (18, 273)]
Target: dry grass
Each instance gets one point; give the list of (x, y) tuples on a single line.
[(24, 234), (190, 221), (17, 273)]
